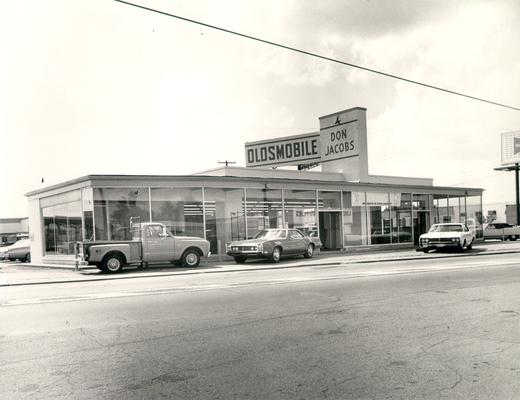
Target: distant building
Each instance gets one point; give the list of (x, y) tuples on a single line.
[(13, 229)]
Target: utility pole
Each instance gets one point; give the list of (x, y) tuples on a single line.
[(227, 162)]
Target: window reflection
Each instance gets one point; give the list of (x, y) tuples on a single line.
[(354, 219), (113, 208), (263, 210), (224, 216), (179, 209), (300, 210), (62, 227)]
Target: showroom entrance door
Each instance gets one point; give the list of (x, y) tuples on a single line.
[(421, 224), (330, 230)]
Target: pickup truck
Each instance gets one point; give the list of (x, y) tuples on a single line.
[(503, 231), (151, 243)]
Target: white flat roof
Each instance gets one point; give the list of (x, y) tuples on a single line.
[(244, 172)]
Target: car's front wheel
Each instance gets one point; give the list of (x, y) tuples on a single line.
[(240, 260), (191, 258), (276, 254), (309, 252)]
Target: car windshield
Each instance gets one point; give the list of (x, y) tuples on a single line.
[(271, 234), (447, 228)]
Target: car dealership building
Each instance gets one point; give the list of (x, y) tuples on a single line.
[(343, 204)]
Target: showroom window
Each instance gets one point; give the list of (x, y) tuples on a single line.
[(62, 225), (300, 210), (225, 220), (401, 218), (354, 219), (179, 209), (113, 208), (263, 210)]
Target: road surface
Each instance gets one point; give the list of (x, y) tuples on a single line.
[(423, 329)]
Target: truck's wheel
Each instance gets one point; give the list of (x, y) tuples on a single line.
[(191, 258), (275, 256), (470, 246), (309, 252), (112, 263)]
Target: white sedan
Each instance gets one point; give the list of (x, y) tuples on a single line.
[(452, 235)]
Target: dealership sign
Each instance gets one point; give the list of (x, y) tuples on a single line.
[(291, 150), (339, 141), (510, 148), (332, 143)]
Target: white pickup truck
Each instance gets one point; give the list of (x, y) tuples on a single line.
[(151, 243), (501, 230)]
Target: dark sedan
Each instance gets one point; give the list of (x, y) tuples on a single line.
[(273, 244)]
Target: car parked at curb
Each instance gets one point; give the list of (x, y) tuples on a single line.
[(273, 244), (447, 235), (502, 231), (21, 250)]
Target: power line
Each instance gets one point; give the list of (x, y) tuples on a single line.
[(319, 56)]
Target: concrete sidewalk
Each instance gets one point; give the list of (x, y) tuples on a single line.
[(17, 274)]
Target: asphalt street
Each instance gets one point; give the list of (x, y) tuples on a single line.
[(433, 328)]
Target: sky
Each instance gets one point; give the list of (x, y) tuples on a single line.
[(99, 87)]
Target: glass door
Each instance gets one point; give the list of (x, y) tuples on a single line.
[(330, 232), (421, 224)]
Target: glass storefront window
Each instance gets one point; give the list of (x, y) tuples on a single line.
[(455, 210), (62, 227), (378, 217), (441, 209), (179, 209), (354, 219), (300, 210), (113, 208), (49, 230), (263, 210), (421, 202), (224, 217), (329, 200), (401, 217), (474, 218)]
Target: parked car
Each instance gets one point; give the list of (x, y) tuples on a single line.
[(21, 250), (3, 252), (273, 244), (502, 231), (449, 235)]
